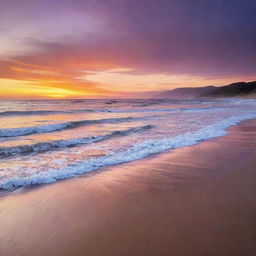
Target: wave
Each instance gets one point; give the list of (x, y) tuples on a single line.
[(161, 110), (43, 112), (135, 152), (52, 112), (27, 113), (60, 144), (22, 131)]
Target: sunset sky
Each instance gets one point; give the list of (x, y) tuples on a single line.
[(109, 48)]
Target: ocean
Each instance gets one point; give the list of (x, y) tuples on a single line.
[(43, 141)]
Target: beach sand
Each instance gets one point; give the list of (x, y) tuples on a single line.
[(198, 200)]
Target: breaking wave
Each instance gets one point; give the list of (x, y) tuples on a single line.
[(134, 152), (21, 131), (60, 144)]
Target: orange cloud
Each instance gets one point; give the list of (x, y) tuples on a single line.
[(19, 79), (10, 88)]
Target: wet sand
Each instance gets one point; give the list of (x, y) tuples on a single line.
[(198, 200)]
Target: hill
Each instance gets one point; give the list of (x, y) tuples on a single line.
[(241, 89), (184, 92)]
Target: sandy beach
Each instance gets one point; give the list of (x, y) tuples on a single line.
[(192, 201)]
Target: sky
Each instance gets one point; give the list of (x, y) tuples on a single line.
[(115, 48)]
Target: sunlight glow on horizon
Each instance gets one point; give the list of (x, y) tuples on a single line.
[(148, 82), (10, 88), (85, 49)]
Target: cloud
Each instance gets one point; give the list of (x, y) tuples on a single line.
[(202, 38)]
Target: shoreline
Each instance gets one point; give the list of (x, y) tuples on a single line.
[(196, 200), (166, 145)]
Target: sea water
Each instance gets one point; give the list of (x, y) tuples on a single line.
[(43, 141)]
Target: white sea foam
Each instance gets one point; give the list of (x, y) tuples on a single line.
[(21, 131), (60, 144), (134, 152)]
